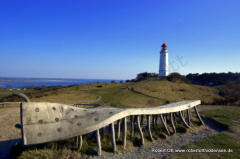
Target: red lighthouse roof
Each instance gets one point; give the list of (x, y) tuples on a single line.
[(164, 45)]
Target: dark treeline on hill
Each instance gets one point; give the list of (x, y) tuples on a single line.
[(213, 78), (142, 76)]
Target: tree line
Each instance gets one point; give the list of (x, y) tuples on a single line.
[(214, 78)]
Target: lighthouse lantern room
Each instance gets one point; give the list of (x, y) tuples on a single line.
[(163, 66)]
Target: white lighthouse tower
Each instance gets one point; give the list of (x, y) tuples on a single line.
[(163, 66)]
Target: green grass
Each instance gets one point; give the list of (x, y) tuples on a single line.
[(227, 118), (4, 93), (223, 140)]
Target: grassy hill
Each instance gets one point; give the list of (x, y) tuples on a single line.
[(176, 91), (145, 94)]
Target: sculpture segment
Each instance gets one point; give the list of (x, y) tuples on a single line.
[(46, 122)]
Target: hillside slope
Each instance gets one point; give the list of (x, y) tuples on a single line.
[(177, 91)]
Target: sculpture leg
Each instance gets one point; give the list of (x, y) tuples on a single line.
[(199, 117), (118, 129), (132, 125), (189, 116), (180, 113), (171, 118), (113, 137), (124, 132), (140, 130), (99, 149), (79, 142), (164, 124), (149, 127)]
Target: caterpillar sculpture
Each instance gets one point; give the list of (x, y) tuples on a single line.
[(45, 122)]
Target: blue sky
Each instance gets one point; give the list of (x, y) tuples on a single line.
[(117, 39)]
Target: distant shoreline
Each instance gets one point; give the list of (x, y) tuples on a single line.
[(14, 81)]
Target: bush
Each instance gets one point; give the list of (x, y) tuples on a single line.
[(176, 77), (113, 81), (226, 101)]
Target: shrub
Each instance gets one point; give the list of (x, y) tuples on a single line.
[(113, 81), (175, 77)]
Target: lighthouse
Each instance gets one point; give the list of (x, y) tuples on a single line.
[(163, 65)]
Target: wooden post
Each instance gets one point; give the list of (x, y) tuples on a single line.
[(124, 137), (118, 129), (164, 123), (140, 130), (199, 117), (99, 148), (4, 104), (113, 137), (79, 142), (132, 125), (171, 118), (189, 116), (180, 113), (149, 127)]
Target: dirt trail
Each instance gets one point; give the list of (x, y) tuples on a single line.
[(10, 135)]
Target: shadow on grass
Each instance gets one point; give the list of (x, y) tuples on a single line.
[(217, 126)]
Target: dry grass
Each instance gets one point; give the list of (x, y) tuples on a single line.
[(177, 91)]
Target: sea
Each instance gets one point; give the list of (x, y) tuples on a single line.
[(27, 82)]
